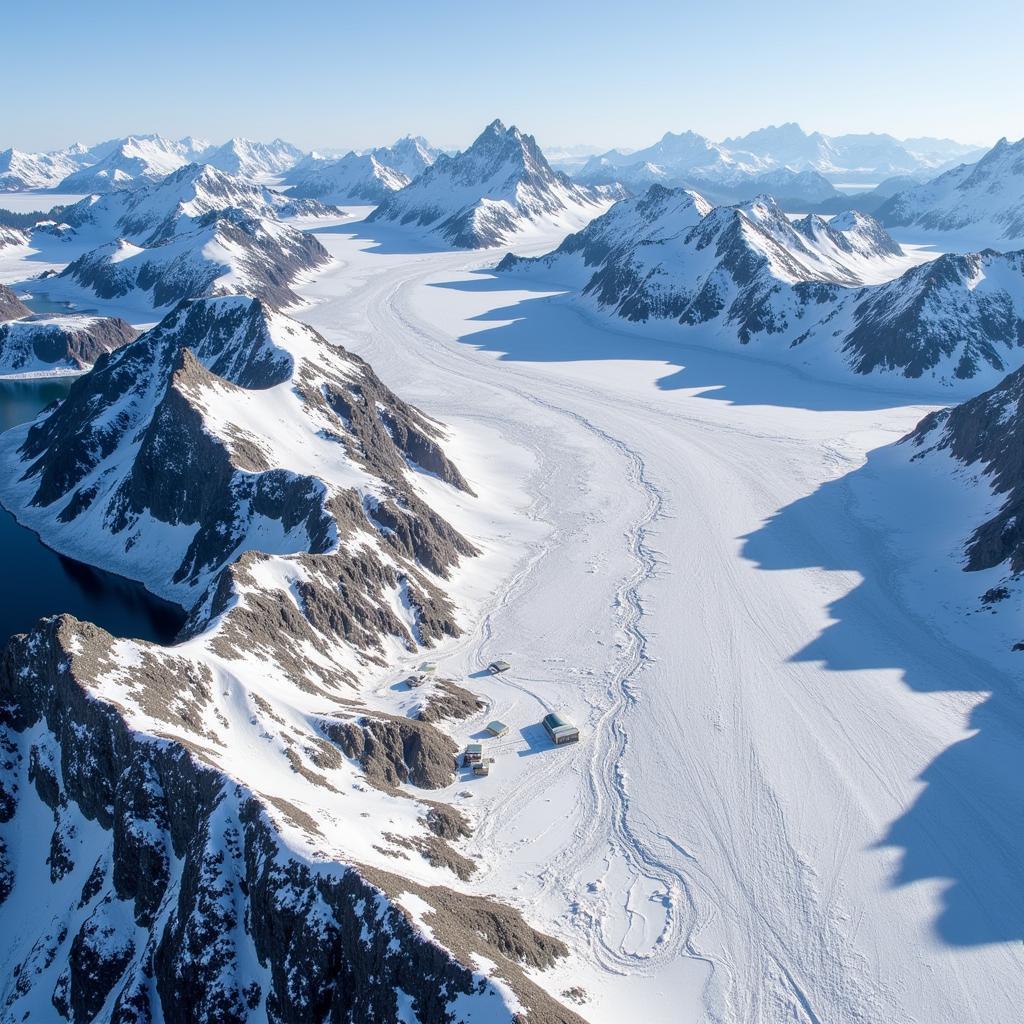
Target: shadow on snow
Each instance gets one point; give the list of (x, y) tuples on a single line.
[(549, 327), (967, 825)]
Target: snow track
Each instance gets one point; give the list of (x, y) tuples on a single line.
[(712, 849)]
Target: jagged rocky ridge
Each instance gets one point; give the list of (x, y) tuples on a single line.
[(70, 343), (227, 829), (284, 429), (986, 432), (10, 236), (811, 290), (11, 307), (228, 252), (148, 884), (489, 193)]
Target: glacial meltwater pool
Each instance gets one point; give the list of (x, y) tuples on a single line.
[(40, 582)]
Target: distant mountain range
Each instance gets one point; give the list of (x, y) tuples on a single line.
[(686, 158), (838, 294), (491, 192)]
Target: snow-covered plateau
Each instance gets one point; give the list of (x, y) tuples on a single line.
[(793, 797)]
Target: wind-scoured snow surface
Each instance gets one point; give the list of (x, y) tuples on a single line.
[(839, 297), (499, 188)]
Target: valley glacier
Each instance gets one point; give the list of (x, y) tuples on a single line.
[(765, 821), (690, 470)]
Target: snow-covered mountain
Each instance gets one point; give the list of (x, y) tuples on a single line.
[(985, 199), (11, 307), (491, 192), (686, 154), (250, 159), (175, 204), (211, 821), (840, 295), (872, 155), (134, 161), (669, 254), (784, 160), (226, 252), (12, 236), (172, 205), (353, 178), (66, 343), (410, 155), (22, 171), (957, 318)]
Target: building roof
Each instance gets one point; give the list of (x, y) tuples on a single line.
[(554, 720), (497, 727)]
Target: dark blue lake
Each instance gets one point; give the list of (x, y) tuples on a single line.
[(41, 582)]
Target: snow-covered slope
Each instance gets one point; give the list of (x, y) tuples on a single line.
[(255, 160), (225, 252), (134, 161), (42, 345), (170, 206), (12, 236), (668, 254), (21, 171), (353, 178), (840, 295), (176, 204), (984, 438), (496, 189), (410, 155), (208, 382), (233, 813), (985, 199)]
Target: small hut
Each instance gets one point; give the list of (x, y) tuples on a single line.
[(497, 667), (497, 728), (560, 729)]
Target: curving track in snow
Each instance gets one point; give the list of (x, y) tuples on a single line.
[(711, 848)]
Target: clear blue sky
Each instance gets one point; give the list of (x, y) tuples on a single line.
[(607, 73)]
